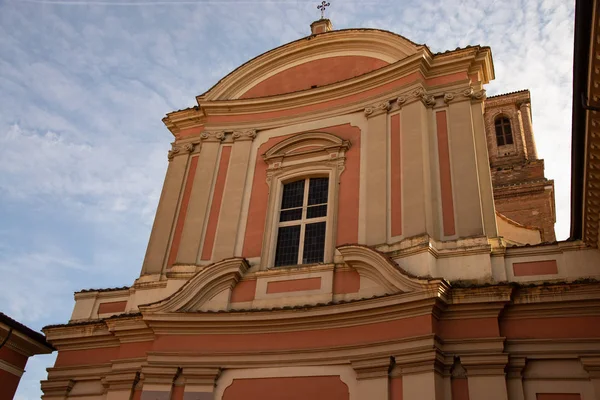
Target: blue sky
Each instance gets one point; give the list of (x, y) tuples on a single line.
[(84, 85)]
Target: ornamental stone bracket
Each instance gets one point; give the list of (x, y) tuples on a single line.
[(377, 109)]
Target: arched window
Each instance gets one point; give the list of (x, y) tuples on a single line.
[(503, 131), (303, 173)]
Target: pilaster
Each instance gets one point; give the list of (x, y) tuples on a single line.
[(486, 376), (376, 169), (200, 383), (463, 162), (416, 156), (483, 165), (235, 186), (160, 236), (372, 377), (422, 376), (592, 366), (197, 213), (514, 378), (121, 385), (158, 382)]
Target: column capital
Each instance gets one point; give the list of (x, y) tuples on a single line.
[(515, 367), (181, 149), (123, 380), (377, 109), (484, 364), (212, 136), (158, 375), (58, 388), (246, 134), (372, 368), (201, 376)]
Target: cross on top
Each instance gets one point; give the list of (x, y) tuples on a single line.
[(322, 7)]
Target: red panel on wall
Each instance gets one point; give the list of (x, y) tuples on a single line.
[(346, 282), (319, 72), (243, 291), (396, 388), (112, 307), (294, 285), (294, 388), (445, 174), (460, 389), (396, 177), (215, 208), (548, 267), (189, 182)]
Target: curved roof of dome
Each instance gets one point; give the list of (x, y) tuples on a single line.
[(313, 61)]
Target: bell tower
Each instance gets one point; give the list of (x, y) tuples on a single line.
[(521, 191)]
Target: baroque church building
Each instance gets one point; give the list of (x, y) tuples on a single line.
[(346, 217)]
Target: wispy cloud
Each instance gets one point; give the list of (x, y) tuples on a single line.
[(85, 84)]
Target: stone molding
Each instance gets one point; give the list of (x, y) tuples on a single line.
[(11, 369), (122, 380), (59, 388)]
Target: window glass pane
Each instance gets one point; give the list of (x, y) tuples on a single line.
[(288, 240), (293, 194), (318, 190), (314, 243), (290, 215), (500, 140), (316, 211)]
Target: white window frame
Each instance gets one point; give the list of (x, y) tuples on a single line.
[(303, 221), (324, 157)]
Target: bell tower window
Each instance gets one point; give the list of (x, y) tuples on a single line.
[(302, 222), (503, 131)]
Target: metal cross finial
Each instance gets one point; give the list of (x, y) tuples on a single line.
[(322, 7)]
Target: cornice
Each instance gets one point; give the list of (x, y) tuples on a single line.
[(417, 346), (552, 348), (355, 313), (375, 43)]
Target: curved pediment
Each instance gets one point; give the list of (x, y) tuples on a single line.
[(383, 271), (313, 61), (208, 290), (307, 144)]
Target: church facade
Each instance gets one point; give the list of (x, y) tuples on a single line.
[(347, 216)]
